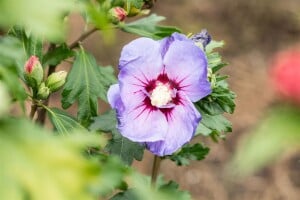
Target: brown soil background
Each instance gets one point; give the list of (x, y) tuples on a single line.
[(253, 31)]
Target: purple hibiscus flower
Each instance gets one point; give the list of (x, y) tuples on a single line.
[(158, 81)]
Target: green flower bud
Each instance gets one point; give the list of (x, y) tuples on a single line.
[(56, 80), (117, 14), (43, 91), (5, 100), (33, 72)]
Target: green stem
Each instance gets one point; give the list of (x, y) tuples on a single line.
[(41, 113), (155, 169), (82, 37)]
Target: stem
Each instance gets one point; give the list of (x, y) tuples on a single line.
[(155, 169), (33, 110), (82, 37), (41, 113)]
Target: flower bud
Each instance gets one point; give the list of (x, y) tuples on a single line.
[(201, 39), (5, 100), (43, 91), (33, 72), (285, 74), (56, 80), (117, 14)]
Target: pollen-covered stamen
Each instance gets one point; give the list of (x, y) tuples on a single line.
[(161, 95)]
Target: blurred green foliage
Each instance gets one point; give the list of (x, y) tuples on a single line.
[(276, 134), (36, 165), (41, 17)]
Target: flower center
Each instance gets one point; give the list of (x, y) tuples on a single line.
[(161, 95)]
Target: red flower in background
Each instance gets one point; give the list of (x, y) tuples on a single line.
[(285, 74)]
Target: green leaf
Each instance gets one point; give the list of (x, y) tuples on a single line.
[(11, 53), (162, 191), (127, 195), (62, 121), (84, 85), (173, 188), (113, 173), (216, 123), (11, 58), (107, 78), (30, 15), (136, 3), (213, 45), (124, 148), (213, 125), (203, 130), (44, 166), (148, 27), (31, 45), (11, 80), (214, 58), (278, 133), (189, 152), (220, 101), (96, 13), (224, 97), (106, 122), (57, 55)]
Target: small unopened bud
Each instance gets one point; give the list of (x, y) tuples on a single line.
[(56, 80), (33, 72), (5, 100), (43, 92), (201, 39), (117, 14)]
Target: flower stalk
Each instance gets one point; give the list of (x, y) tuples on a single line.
[(155, 169)]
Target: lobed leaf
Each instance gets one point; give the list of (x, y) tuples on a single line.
[(189, 152), (125, 149), (220, 101), (31, 45), (85, 83), (214, 125), (57, 55), (126, 195), (148, 27), (62, 121), (143, 190)]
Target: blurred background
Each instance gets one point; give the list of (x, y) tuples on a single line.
[(253, 31)]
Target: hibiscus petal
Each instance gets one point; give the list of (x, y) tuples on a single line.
[(166, 42), (182, 125), (140, 63), (113, 96), (142, 124), (186, 64), (142, 55)]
